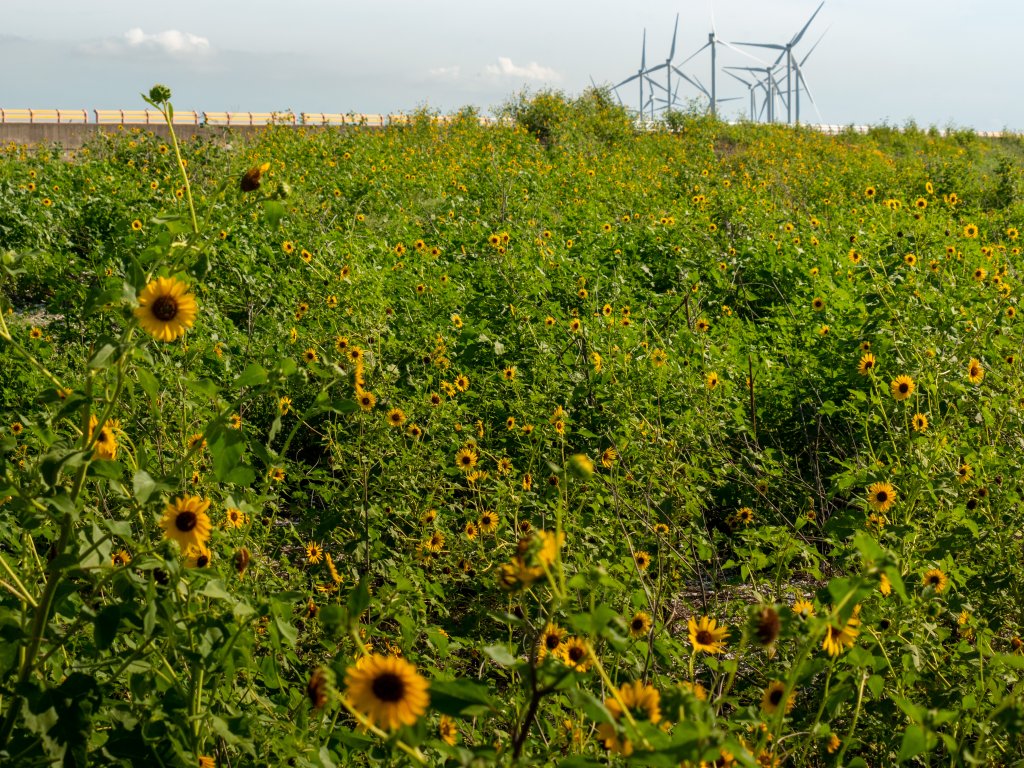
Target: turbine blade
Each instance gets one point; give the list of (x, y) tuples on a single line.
[(672, 51), (732, 47), (762, 45), (800, 34), (808, 54), (694, 54), (807, 88), (643, 52), (736, 77), (629, 79)]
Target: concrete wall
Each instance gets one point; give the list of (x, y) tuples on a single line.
[(73, 136)]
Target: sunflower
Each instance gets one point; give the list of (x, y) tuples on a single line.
[(803, 608), (838, 639), (509, 372), (435, 543), (902, 387), (288, 246), (919, 422), (367, 400), (773, 696), (488, 521), (136, 225), (414, 431), (642, 560), (975, 373), (711, 380), (527, 481), (105, 445), (643, 702), (608, 456), (658, 358), (388, 690), (869, 192), (575, 654), (661, 529), (120, 558), (706, 636), (186, 522), (471, 530), (550, 640), (702, 325), (466, 458), (205, 761), (504, 465), (462, 382), (396, 417), (980, 274), (818, 304), (197, 557), (881, 496), (909, 259), (166, 310), (640, 624), (235, 517), (935, 579), (448, 730), (970, 231), (314, 553), (745, 515), (964, 473)]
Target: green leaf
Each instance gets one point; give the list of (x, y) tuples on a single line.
[(253, 375), (104, 357), (358, 599), (915, 742), (501, 655), (226, 449), (105, 626), (461, 698), (273, 212), (143, 486)]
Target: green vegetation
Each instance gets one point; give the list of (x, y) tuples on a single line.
[(543, 444)]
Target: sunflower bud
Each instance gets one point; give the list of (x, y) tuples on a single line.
[(767, 625), (241, 560), (251, 180), (319, 687), (580, 466), (159, 94), (283, 190)]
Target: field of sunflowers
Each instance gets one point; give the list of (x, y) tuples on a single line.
[(551, 443)]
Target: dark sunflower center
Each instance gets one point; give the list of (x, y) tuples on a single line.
[(637, 625), (202, 561), (388, 687), (552, 641), (705, 638), (834, 634), (934, 580), (118, 560), (185, 521), (575, 653), (903, 388), (165, 308), (775, 697), (485, 520), (881, 497)]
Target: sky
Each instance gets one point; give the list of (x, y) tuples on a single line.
[(946, 63)]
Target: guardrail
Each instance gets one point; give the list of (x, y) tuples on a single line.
[(152, 117)]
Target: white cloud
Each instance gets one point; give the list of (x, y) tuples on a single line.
[(169, 41), (445, 73), (532, 71)]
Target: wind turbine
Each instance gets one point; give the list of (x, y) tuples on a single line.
[(639, 76), (787, 53), (713, 42), (769, 84), (751, 86), (800, 79)]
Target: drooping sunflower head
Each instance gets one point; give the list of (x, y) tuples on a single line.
[(166, 310)]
